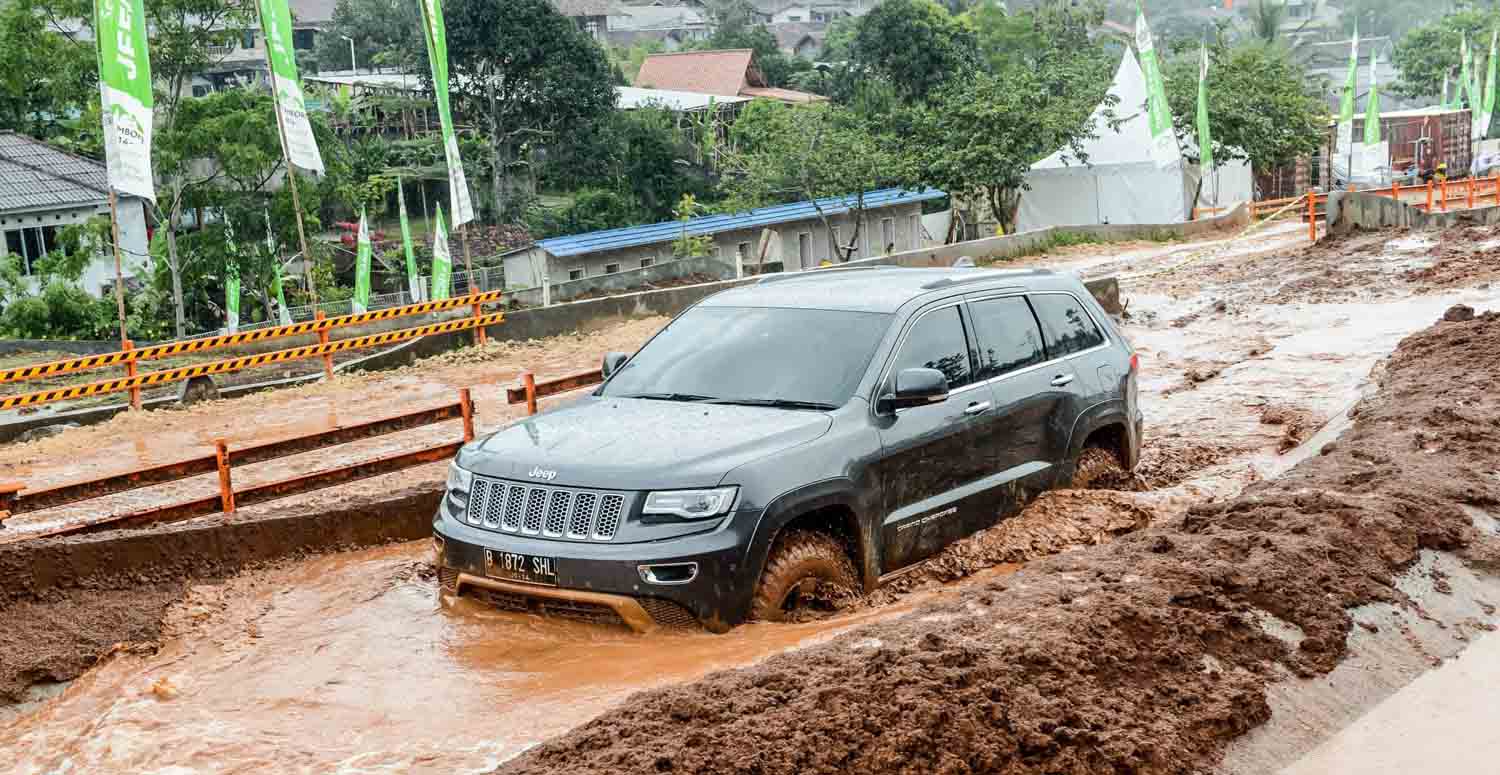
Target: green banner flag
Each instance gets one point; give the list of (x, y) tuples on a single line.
[(231, 280), (284, 313), (125, 98), (1158, 116), (361, 301), (1465, 86), (435, 32), (1487, 109), (1205, 140), (297, 135), (1346, 101), (1372, 107), (413, 281), (442, 259)]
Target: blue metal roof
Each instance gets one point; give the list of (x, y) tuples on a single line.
[(631, 236)]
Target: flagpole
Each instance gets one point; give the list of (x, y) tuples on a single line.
[(114, 225), (291, 169)]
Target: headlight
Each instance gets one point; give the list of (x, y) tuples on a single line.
[(691, 504), (459, 482)]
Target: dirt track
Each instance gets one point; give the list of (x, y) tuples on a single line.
[(349, 662), (1145, 654)]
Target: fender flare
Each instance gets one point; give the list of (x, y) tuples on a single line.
[(788, 506)]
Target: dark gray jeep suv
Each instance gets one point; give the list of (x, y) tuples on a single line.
[(784, 442)]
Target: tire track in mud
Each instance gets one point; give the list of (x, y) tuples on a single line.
[(1146, 654)]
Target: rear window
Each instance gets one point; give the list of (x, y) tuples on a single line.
[(1066, 326)]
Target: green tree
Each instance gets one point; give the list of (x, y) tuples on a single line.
[(386, 33), (782, 153), (44, 76), (916, 45), (1426, 54), (1261, 104), (776, 67), (525, 74)]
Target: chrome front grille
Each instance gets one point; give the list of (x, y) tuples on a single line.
[(547, 512)]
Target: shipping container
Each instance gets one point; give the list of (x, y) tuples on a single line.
[(1418, 139)]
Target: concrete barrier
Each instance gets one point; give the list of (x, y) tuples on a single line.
[(1351, 210)]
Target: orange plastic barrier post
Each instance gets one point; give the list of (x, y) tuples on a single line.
[(529, 380), (478, 330), (1443, 195), (323, 339), (466, 405), (1395, 191), (1470, 183), (1428, 208), (135, 392), (226, 486), (1312, 216)]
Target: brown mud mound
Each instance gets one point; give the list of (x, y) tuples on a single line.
[(1144, 654), (1170, 460), (1054, 522), (1462, 258)]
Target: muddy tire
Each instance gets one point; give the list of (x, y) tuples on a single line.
[(806, 572), (1097, 467)]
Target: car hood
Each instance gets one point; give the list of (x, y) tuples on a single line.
[(640, 444)]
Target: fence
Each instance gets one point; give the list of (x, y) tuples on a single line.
[(129, 357), (530, 390), (15, 498)]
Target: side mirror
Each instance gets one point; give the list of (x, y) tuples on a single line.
[(916, 387), (613, 362)]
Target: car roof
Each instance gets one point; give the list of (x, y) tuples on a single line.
[(877, 289)]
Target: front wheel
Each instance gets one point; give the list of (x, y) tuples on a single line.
[(1096, 468), (808, 573)]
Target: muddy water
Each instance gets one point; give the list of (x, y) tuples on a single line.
[(352, 663)]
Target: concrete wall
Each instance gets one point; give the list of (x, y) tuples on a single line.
[(624, 281), (1348, 211)]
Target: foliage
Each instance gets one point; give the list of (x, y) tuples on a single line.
[(592, 210), (782, 153), (915, 45), (629, 60), (525, 74), (45, 78), (386, 33), (1053, 41), (690, 245), (1261, 104), (1424, 55)]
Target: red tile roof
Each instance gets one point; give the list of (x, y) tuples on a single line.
[(722, 73)]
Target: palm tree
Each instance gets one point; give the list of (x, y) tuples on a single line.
[(1266, 20)]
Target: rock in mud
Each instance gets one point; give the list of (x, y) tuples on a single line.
[(1459, 313), (1143, 654)]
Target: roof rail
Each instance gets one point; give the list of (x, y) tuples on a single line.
[(805, 273)]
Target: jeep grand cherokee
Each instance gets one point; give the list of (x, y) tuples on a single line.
[(788, 439)]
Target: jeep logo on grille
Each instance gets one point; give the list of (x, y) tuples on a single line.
[(541, 473)]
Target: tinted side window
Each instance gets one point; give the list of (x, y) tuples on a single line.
[(1007, 334), (936, 341), (1065, 324)]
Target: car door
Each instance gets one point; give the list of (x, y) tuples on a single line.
[(929, 453), (1072, 337), (1011, 361)]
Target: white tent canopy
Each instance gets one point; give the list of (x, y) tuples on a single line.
[(1120, 183)]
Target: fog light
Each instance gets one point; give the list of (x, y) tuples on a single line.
[(668, 573)]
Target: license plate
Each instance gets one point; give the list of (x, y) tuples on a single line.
[(513, 566)]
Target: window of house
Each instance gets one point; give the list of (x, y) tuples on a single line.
[(575, 274), (200, 91), (247, 39), (804, 249), (796, 17), (936, 341), (611, 268), (303, 40), (888, 234), (645, 262), (1066, 326), (742, 251), (1006, 335)]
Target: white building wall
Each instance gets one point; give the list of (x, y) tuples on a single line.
[(100, 273)]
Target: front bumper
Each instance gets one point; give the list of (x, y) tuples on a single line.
[(607, 577)]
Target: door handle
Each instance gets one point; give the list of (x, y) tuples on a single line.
[(1062, 380), (978, 407)]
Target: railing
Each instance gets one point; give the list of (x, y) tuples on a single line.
[(129, 357), (15, 498), (530, 390)]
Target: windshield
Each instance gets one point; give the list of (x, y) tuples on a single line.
[(755, 355)]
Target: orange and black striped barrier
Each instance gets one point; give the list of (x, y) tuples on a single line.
[(250, 361), (169, 349)]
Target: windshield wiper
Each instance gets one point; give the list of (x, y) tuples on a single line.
[(669, 397), (777, 403)]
